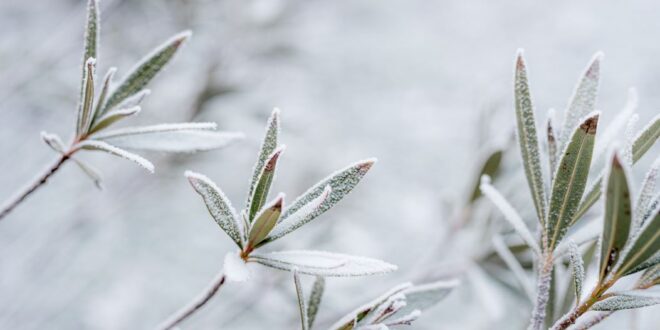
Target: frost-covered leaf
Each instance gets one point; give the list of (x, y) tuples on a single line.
[(625, 301), (218, 205), (627, 152), (112, 117), (617, 213), (421, 297), (301, 301), (490, 168), (583, 100), (261, 189), (509, 213), (265, 221), (514, 265), (613, 129), (267, 148), (235, 268), (323, 263), (340, 182), (91, 40), (54, 142), (295, 220), (87, 102), (643, 246), (91, 172), (650, 277), (351, 319), (570, 179), (528, 138), (105, 147), (107, 81), (314, 301), (577, 267), (650, 262), (146, 70), (180, 137), (644, 141), (646, 195), (551, 136)]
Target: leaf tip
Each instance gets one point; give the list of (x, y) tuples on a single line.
[(590, 124)]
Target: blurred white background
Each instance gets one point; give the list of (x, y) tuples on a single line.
[(406, 81)]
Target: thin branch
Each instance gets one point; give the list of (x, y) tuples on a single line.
[(195, 305), (20, 196)]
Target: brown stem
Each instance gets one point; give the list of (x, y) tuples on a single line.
[(542, 293), (596, 295), (17, 199), (195, 305)]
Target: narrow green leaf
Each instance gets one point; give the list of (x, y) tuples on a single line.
[(644, 141), (301, 301), (218, 205), (100, 102), (643, 246), (570, 180), (260, 193), (265, 221), (625, 301), (583, 100), (85, 111), (110, 149), (297, 219), (320, 263), (490, 168), (112, 117), (618, 217), (90, 48), (649, 263), (577, 267), (528, 139), (314, 301), (267, 148), (650, 277), (146, 70), (646, 195), (552, 145)]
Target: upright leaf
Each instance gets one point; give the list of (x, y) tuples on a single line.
[(583, 100), (645, 199), (100, 102), (301, 301), (146, 70), (322, 263), (643, 246), (314, 301), (218, 205), (267, 148), (618, 214), (577, 267), (92, 28), (570, 179), (85, 110), (528, 139), (265, 221), (490, 168), (262, 187), (552, 144)]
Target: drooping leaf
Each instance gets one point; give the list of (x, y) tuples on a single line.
[(235, 268), (577, 267), (301, 301), (91, 172), (268, 146), (570, 180), (644, 141), (514, 265), (112, 117), (145, 70), (322, 263), (314, 301), (618, 214), (108, 148), (87, 104), (295, 220), (583, 100), (643, 246), (218, 205), (265, 221), (528, 138), (509, 213), (490, 168), (261, 189), (340, 182), (625, 301)]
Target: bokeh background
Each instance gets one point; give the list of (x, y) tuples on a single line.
[(425, 86)]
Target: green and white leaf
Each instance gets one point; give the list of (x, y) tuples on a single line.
[(643, 246), (528, 138), (218, 205), (107, 81), (625, 301), (618, 216), (91, 172), (54, 142), (298, 218), (551, 136), (145, 70), (321, 263), (514, 265), (262, 188), (304, 321), (87, 103), (314, 301), (510, 214), (490, 168), (112, 117), (646, 195), (650, 277), (570, 180), (577, 267), (265, 221), (424, 296), (267, 148), (91, 41), (108, 148), (351, 319)]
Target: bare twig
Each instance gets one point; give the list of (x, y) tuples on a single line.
[(195, 305), (19, 197)]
